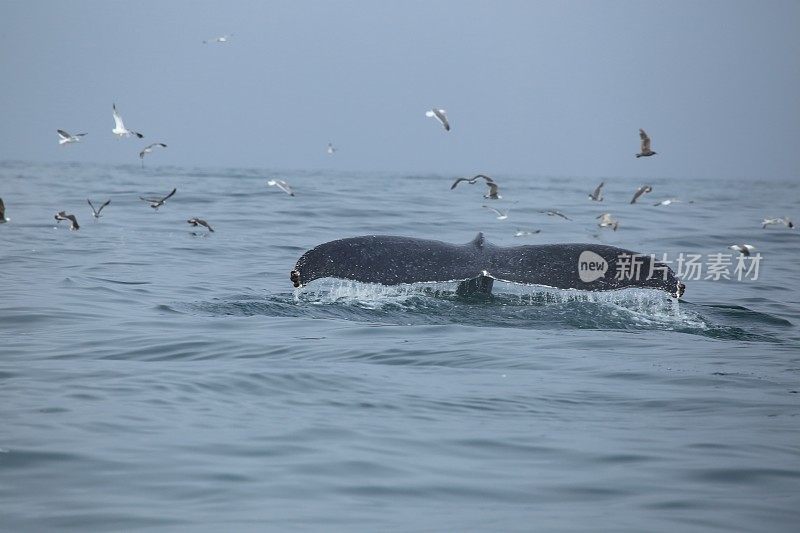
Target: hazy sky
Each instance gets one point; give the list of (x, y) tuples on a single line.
[(539, 88)]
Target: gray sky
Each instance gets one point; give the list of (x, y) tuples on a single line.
[(539, 88)]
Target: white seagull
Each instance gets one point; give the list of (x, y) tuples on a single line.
[(554, 213), (441, 116), (744, 249), (200, 222), (644, 189), (149, 148), (119, 128), (66, 138), (62, 215), (96, 212), (491, 194), (501, 215), (221, 39), (524, 233), (155, 201), (783, 220), (668, 201), (606, 221), (331, 149), (282, 185)]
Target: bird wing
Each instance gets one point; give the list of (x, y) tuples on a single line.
[(596, 192), (149, 148), (150, 199), (169, 195), (637, 194), (282, 185), (645, 141), (492, 188), (64, 135), (484, 176), (440, 114), (102, 206), (93, 209), (493, 209), (459, 180), (118, 125)]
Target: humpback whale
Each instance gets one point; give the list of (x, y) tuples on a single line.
[(393, 260)]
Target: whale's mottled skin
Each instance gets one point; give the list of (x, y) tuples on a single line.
[(392, 260)]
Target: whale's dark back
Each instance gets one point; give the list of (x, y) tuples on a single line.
[(391, 260)]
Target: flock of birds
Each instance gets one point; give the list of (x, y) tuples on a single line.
[(121, 131), (605, 220)]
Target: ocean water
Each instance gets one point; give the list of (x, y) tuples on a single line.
[(152, 378)]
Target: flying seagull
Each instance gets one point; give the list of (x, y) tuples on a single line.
[(668, 201), (441, 116), (597, 195), (606, 221), (66, 138), (3, 218), (646, 151), (62, 215), (200, 222), (149, 148), (501, 215), (96, 212), (156, 202), (221, 39), (554, 213), (745, 249), (524, 233), (331, 149), (491, 194), (782, 220), (640, 191), (282, 185), (119, 128)]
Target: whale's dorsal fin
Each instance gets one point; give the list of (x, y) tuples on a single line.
[(478, 241)]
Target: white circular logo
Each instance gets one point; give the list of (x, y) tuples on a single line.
[(591, 266)]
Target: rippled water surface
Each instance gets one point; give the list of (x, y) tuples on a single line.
[(155, 378)]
